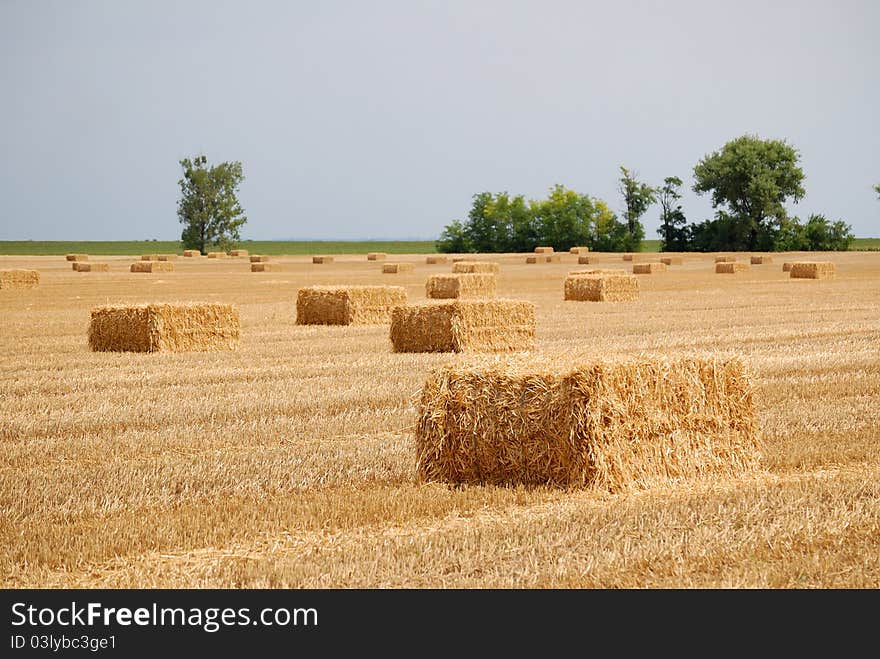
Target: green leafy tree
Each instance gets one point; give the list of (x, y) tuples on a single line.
[(673, 231), (637, 198), (825, 236), (208, 206), (877, 190), (453, 239), (751, 179)]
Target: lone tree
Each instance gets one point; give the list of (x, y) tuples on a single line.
[(637, 197), (673, 231), (877, 190), (752, 179), (208, 207)]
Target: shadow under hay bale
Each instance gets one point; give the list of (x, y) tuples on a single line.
[(730, 267), (671, 260), (191, 327), (264, 267), (461, 285), (475, 266), (322, 259), (347, 305), (463, 325), (376, 256), (648, 268), (601, 286), (152, 266), (609, 424), (91, 267), (436, 260), (258, 258), (812, 270), (19, 278), (760, 260), (397, 268)]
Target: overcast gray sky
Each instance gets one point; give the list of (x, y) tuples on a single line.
[(381, 119)]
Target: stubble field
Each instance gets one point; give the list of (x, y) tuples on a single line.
[(290, 461)]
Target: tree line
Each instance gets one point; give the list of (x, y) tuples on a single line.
[(749, 179)]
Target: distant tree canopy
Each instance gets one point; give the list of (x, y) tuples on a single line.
[(674, 233), (208, 206), (877, 190), (637, 197)]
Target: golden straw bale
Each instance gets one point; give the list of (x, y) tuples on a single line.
[(461, 285), (730, 267), (648, 268), (238, 252), (435, 260), (167, 257), (786, 266), (258, 258), (463, 325), (671, 260), (456, 259), (584, 260), (601, 286), (578, 250), (77, 257), (347, 305), (376, 256), (216, 255), (812, 270), (164, 327), (627, 257), (264, 267), (152, 266), (760, 260), (19, 278), (725, 259), (395, 268), (475, 266), (606, 424), (543, 250), (322, 259), (191, 252), (149, 257), (90, 267)]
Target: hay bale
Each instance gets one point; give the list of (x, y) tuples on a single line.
[(164, 327), (397, 268), (149, 257), (601, 286), (77, 257), (584, 260), (264, 267), (322, 259), (671, 260), (435, 260), (19, 278), (191, 252), (627, 257), (238, 252), (376, 256), (216, 255), (461, 285), (475, 266), (725, 259), (456, 259), (578, 250), (543, 258), (90, 267), (152, 266), (730, 267), (786, 266), (167, 257), (347, 305), (543, 250), (258, 258), (760, 260), (812, 270), (463, 325), (648, 268), (608, 424)]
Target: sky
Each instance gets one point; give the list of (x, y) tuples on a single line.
[(382, 119)]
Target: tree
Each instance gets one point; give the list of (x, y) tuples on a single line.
[(564, 219), (751, 179), (637, 197), (453, 239), (877, 190), (824, 236), (674, 234), (208, 207)]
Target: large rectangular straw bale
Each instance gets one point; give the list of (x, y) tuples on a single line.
[(461, 285), (730, 267), (191, 252), (19, 278), (149, 257), (584, 260), (760, 259), (648, 268), (164, 327), (607, 286), (786, 266), (347, 305), (322, 259), (90, 267), (167, 257), (259, 258), (216, 255), (238, 252), (578, 250), (671, 260), (436, 260), (77, 257), (463, 325), (376, 256), (475, 266), (607, 424), (396, 268), (264, 267), (812, 270), (725, 259), (627, 257), (152, 266), (543, 250)]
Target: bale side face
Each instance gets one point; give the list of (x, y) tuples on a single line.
[(376, 256), (191, 252), (760, 260), (475, 266), (91, 267), (648, 268), (397, 268), (543, 250), (578, 250), (461, 285), (786, 267), (730, 267), (264, 267), (19, 278), (435, 260), (812, 270), (584, 260), (671, 260), (152, 266), (77, 257), (347, 305), (195, 327), (258, 258), (464, 325), (606, 286), (322, 259), (610, 425)]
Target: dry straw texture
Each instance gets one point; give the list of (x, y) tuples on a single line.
[(812, 270), (259, 258), (786, 267), (216, 255), (264, 267), (730, 267), (578, 250), (376, 256), (191, 252), (149, 257), (77, 257), (543, 250), (396, 268), (671, 260), (238, 252), (602, 286), (322, 259), (725, 259), (347, 305), (164, 327), (90, 267), (152, 266), (760, 260), (609, 424), (464, 325), (461, 285), (435, 260), (648, 268), (475, 266), (19, 278), (584, 260), (167, 257)]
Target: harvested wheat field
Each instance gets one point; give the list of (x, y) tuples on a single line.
[(294, 460)]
